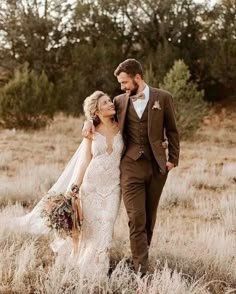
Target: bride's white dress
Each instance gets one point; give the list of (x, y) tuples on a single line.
[(100, 198)]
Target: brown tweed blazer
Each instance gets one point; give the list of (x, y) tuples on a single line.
[(161, 122)]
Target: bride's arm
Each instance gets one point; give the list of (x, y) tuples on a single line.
[(82, 165), (85, 162)]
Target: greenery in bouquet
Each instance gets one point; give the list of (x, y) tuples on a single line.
[(58, 214)]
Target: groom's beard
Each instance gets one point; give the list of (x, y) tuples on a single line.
[(135, 89)]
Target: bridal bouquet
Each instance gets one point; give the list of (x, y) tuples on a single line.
[(62, 214)]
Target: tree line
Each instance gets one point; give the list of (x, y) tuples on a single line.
[(78, 45)]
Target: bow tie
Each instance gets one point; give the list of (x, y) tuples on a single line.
[(137, 96)]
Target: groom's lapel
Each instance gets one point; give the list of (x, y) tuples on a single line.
[(152, 98), (124, 101)]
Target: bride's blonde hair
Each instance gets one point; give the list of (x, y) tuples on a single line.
[(91, 104)]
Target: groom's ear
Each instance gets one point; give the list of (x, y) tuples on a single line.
[(137, 78)]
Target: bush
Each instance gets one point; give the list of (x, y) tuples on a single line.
[(26, 101), (189, 104)]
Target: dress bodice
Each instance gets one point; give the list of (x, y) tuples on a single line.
[(100, 147), (103, 172)]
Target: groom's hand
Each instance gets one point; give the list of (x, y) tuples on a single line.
[(88, 129), (169, 165)]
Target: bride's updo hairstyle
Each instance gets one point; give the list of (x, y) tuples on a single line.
[(91, 106)]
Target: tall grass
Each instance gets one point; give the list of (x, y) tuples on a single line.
[(194, 242)]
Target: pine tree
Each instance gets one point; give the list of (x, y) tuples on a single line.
[(189, 104), (26, 101)]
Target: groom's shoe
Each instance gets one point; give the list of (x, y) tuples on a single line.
[(143, 275), (147, 277), (110, 272), (129, 264)]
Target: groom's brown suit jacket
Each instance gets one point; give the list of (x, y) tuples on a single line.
[(161, 120)]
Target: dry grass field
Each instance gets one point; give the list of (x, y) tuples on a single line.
[(194, 245)]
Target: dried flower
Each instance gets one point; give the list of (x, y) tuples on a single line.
[(58, 214)]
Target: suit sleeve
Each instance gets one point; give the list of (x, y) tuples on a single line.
[(115, 102), (172, 133)]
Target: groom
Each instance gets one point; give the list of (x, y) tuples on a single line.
[(145, 116)]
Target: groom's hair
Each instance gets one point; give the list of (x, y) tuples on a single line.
[(131, 67)]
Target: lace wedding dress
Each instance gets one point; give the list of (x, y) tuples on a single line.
[(100, 197)]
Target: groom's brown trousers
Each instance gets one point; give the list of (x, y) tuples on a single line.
[(142, 184)]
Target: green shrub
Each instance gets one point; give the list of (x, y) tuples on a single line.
[(26, 101), (189, 104)]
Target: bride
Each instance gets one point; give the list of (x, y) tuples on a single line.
[(94, 174), (99, 184)]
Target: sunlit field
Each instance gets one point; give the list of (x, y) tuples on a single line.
[(194, 245)]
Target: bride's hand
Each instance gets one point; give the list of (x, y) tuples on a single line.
[(69, 194), (88, 129)]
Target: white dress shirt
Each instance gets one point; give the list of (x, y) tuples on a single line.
[(140, 104)]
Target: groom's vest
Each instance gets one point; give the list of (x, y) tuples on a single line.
[(136, 130)]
